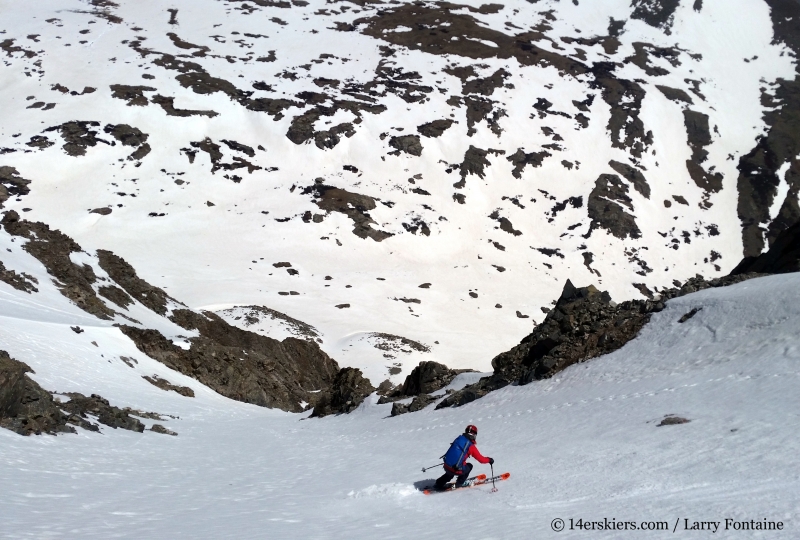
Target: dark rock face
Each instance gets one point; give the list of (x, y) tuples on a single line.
[(657, 13), (428, 377), (782, 257), (520, 160), (52, 249), (699, 136), (417, 404), (435, 128), (353, 205), (673, 421), (606, 210), (26, 408), (632, 175), (584, 324), (242, 365), (410, 144), (675, 94), (21, 282), (125, 276), (80, 405), (758, 170), (348, 390), (164, 384), (236, 363), (12, 184)]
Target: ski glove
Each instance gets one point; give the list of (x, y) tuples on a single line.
[(491, 461)]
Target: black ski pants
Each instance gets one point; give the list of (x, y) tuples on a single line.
[(447, 476)]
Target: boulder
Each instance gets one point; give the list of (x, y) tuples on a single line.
[(417, 404), (348, 391), (584, 324), (783, 255)]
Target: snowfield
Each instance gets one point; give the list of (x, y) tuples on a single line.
[(188, 139), (583, 445)]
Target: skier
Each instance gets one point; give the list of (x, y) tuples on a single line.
[(455, 460)]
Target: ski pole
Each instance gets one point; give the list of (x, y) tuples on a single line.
[(493, 486), (431, 467)]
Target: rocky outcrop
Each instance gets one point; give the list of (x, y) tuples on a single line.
[(238, 364), (417, 404), (584, 324), (428, 377), (53, 249), (164, 384), (12, 184), (347, 392), (783, 256), (242, 365), (26, 408), (125, 276)]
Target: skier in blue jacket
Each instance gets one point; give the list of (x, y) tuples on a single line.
[(455, 460)]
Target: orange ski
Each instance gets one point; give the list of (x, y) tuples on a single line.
[(480, 480)]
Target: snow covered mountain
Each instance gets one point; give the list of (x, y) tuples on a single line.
[(218, 215), (592, 443), (430, 171)]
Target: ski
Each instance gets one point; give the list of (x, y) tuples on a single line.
[(469, 481), (480, 480)]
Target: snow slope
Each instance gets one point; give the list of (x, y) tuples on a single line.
[(582, 445), (227, 189)]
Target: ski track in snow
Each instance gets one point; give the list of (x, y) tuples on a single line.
[(581, 445)]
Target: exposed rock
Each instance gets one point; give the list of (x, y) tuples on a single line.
[(606, 200), (164, 384), (783, 256), (168, 104), (759, 180), (686, 316), (385, 387), (125, 276), (53, 249), (12, 184), (78, 136), (158, 428), (435, 128), (409, 144), (475, 162), (134, 95), (353, 205), (348, 390), (26, 408), (675, 94), (520, 160), (699, 137), (242, 365), (417, 404), (22, 282), (105, 413), (426, 378), (584, 324), (255, 314), (130, 136), (632, 175), (657, 13), (116, 295), (672, 421)]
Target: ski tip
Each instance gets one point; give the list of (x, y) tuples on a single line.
[(505, 476), (427, 492)]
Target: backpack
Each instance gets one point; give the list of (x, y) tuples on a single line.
[(454, 457)]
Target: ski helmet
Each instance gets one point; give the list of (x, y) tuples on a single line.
[(471, 430)]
